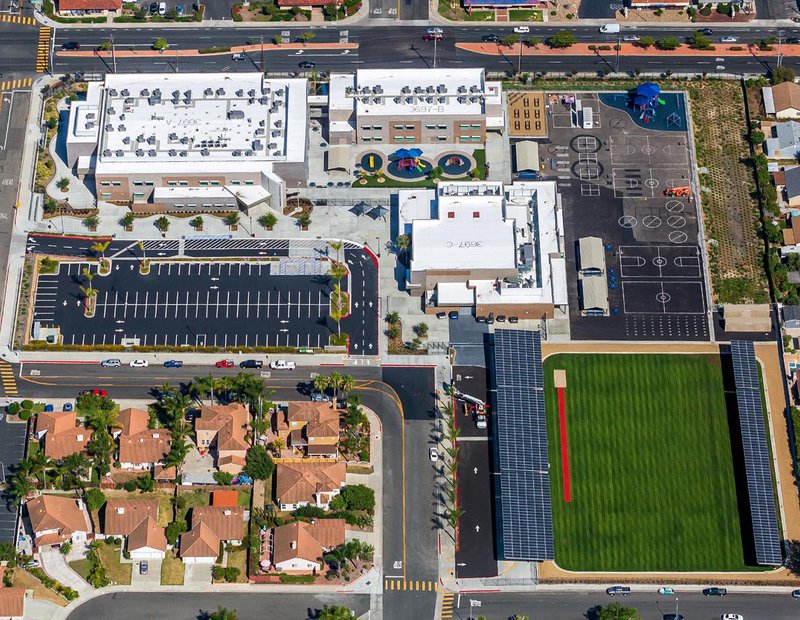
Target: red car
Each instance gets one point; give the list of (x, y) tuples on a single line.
[(225, 364), (432, 36), (96, 392)]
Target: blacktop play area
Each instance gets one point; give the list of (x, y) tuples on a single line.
[(612, 178)]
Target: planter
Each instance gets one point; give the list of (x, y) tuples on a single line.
[(105, 267), (198, 229), (235, 227), (304, 228), (144, 267), (381, 180), (129, 228), (88, 306), (269, 228)]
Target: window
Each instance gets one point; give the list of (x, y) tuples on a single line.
[(191, 205), (463, 126), (172, 183), (430, 126), (183, 183), (105, 183), (365, 127), (475, 126), (441, 138), (441, 126), (138, 195), (366, 139), (398, 138), (116, 183), (105, 195), (236, 182), (410, 127), (138, 183), (178, 205), (203, 183), (476, 214), (476, 138), (248, 182), (377, 127), (409, 138), (451, 215), (399, 127), (463, 138), (377, 139), (215, 183)]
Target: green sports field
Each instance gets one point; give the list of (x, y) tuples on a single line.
[(651, 466)]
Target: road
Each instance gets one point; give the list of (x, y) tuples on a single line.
[(410, 540), (651, 606), (381, 47), (191, 606)]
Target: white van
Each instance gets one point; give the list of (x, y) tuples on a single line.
[(609, 28), (282, 365)]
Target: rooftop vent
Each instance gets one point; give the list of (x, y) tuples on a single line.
[(144, 92), (235, 114), (125, 92), (120, 510), (126, 139), (112, 92)]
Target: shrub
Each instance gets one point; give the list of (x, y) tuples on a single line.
[(173, 530), (223, 477), (668, 43), (359, 497), (95, 499), (310, 512), (130, 486), (259, 463), (13, 408), (27, 404), (25, 414)]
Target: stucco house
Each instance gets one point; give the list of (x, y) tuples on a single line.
[(140, 447), (222, 430), (60, 435), (785, 141), (12, 603), (298, 547), (211, 525), (136, 520), (309, 426), (308, 483), (56, 519)]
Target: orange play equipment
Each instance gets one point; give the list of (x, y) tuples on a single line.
[(678, 191)]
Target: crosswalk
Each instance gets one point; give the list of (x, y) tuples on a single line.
[(17, 19), (447, 606), (421, 585), (9, 382), (15, 84), (43, 51)]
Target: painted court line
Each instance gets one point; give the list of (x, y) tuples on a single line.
[(562, 422)]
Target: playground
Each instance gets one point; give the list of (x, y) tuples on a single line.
[(649, 108), (644, 476), (413, 167)]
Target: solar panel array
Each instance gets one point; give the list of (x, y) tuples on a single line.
[(756, 454), (525, 505)]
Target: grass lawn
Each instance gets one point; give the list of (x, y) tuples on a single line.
[(192, 499), (171, 570), (525, 15), (23, 579), (81, 567), (651, 465), (243, 498), (118, 572), (238, 559)]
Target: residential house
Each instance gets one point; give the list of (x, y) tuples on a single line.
[(298, 547), (56, 519), (137, 521), (12, 603), (311, 427), (141, 447), (164, 474), (782, 100), (94, 8), (791, 185), (791, 234), (222, 429), (305, 483), (211, 525), (60, 435), (791, 317), (785, 141), (225, 499)]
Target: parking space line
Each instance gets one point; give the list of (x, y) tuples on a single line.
[(125, 307), (197, 305), (105, 304), (227, 304), (248, 305), (187, 305), (238, 295), (217, 304), (146, 296), (268, 296), (155, 306), (136, 304)]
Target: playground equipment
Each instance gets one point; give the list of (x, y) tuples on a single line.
[(371, 161), (646, 98), (678, 191)]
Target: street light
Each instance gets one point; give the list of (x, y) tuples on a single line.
[(473, 603)]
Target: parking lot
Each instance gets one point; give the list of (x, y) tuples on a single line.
[(12, 449), (613, 178), (216, 304)]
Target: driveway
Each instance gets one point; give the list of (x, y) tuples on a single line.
[(56, 566), (151, 579), (197, 574)]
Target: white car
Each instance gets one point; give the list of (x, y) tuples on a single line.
[(434, 31), (112, 363), (732, 617), (433, 455), (522, 30), (282, 365), (162, 8), (139, 364), (728, 39), (630, 38)]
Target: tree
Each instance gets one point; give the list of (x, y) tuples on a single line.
[(323, 382), (393, 331), (259, 463), (76, 466), (699, 41), (173, 530), (160, 44), (202, 386), (510, 40), (146, 483), (101, 447), (162, 224), (534, 42), (646, 42), (306, 37), (668, 43), (268, 220), (196, 222), (422, 329), (277, 39), (223, 477), (756, 137), (63, 184), (338, 306), (20, 487), (615, 611), (782, 74), (336, 612), (95, 499), (562, 39), (393, 317), (65, 548), (359, 497), (177, 453), (89, 276), (127, 220), (304, 220), (223, 614), (347, 384), (100, 248), (232, 219), (402, 242)]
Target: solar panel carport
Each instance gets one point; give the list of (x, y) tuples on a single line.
[(525, 518)]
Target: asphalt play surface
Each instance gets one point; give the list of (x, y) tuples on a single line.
[(229, 304), (612, 179)]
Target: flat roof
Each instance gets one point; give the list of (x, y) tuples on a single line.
[(380, 92), (186, 118)]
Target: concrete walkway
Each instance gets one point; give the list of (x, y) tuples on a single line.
[(55, 565)]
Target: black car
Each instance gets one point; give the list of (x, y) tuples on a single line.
[(706, 31), (490, 38), (793, 40), (673, 617), (154, 8), (480, 319), (453, 315), (490, 318), (501, 318), (71, 45), (441, 315), (715, 591), (251, 364), (513, 319), (307, 64), (618, 591)]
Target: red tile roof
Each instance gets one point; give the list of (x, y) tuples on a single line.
[(89, 5)]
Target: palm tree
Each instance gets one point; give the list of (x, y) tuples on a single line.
[(336, 246), (393, 317), (101, 418), (232, 219), (41, 464), (336, 612), (89, 277), (223, 386), (336, 384), (77, 466), (20, 487), (100, 248), (347, 384), (337, 311), (178, 452), (322, 383), (202, 386)]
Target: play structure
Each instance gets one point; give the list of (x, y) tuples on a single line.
[(678, 191), (455, 164), (408, 164), (371, 162), (646, 99)]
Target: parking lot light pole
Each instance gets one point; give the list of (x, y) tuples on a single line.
[(378, 245)]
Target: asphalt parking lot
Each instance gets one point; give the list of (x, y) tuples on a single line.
[(476, 555), (219, 304), (12, 449), (612, 180)]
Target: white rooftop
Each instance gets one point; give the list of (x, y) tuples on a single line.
[(186, 118), (414, 91)]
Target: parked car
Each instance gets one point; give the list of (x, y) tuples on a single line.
[(453, 315), (522, 29), (251, 364), (71, 45), (179, 10), (48, 408), (480, 319), (732, 617), (434, 30), (673, 617), (143, 566), (307, 64), (112, 363), (433, 455), (138, 364), (320, 397), (225, 364), (706, 31), (239, 57), (513, 319), (631, 38), (610, 29), (67, 407), (795, 593), (793, 40), (32, 564), (728, 39), (282, 365), (490, 319), (666, 591), (715, 591), (490, 38), (96, 392), (153, 8), (480, 421), (441, 315), (618, 591), (162, 8), (501, 318), (173, 364)]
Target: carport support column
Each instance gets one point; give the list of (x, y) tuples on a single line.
[(181, 246)]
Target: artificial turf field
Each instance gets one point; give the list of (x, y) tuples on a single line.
[(651, 465)]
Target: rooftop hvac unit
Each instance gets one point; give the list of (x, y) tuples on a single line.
[(176, 101), (235, 114), (151, 153), (409, 99), (187, 101), (442, 99), (122, 117), (462, 99), (107, 153), (176, 93), (173, 136), (266, 90), (260, 131), (397, 99), (119, 153), (109, 126), (129, 101), (151, 140), (173, 152), (125, 92), (126, 139), (462, 89), (185, 140), (428, 99), (157, 93), (441, 88), (251, 101), (474, 99), (220, 92), (417, 90), (144, 92), (123, 128), (240, 92), (139, 153), (252, 92), (236, 153), (264, 100), (273, 145), (279, 92), (184, 153), (208, 92), (205, 152), (429, 89), (405, 90), (364, 99), (112, 92), (258, 145), (140, 137), (187, 93), (249, 153)]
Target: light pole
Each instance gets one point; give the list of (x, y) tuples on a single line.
[(261, 63), (519, 60), (113, 54), (473, 603), (435, 41), (780, 53), (378, 245)]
